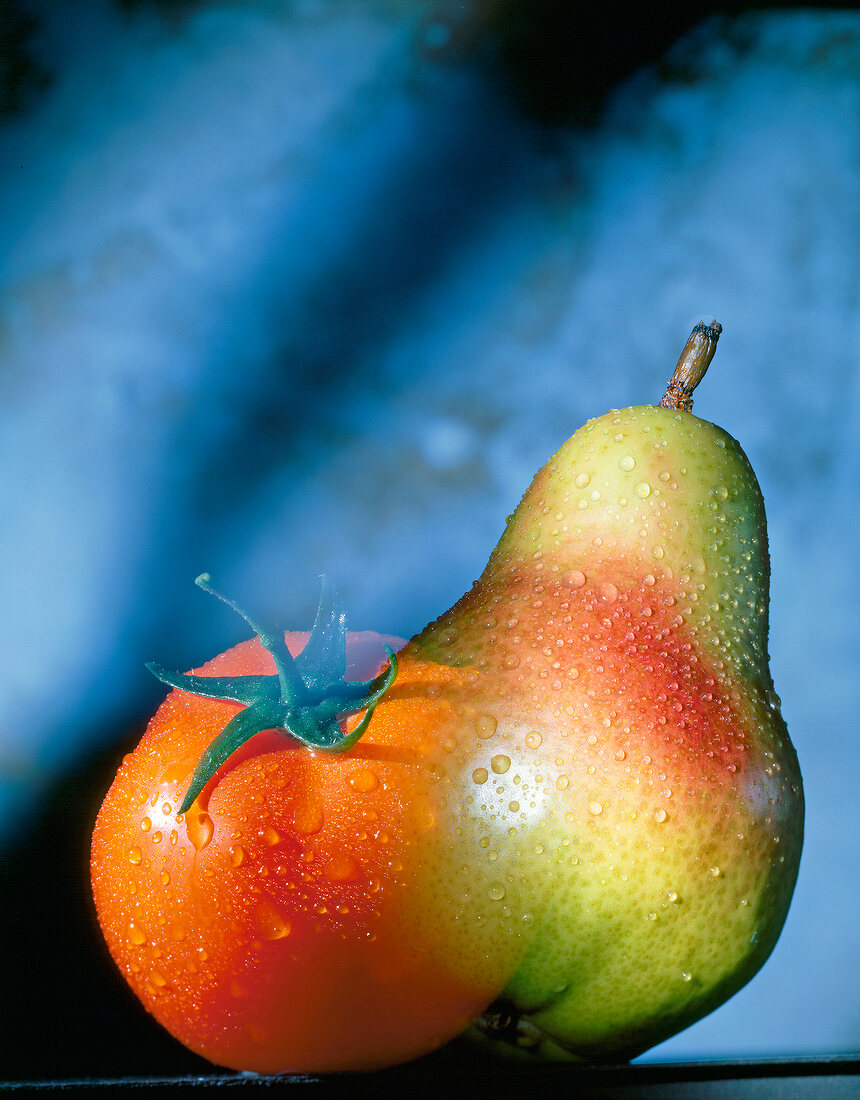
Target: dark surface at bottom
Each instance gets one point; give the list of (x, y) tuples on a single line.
[(814, 1078)]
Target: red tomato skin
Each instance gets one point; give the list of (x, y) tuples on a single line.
[(293, 919)]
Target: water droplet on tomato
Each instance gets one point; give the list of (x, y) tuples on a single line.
[(627, 463), (581, 480), (496, 891), (199, 828), (575, 578), (342, 868), (686, 976), (480, 775), (270, 836), (136, 934), (146, 824), (642, 490), (595, 807), (309, 818), (237, 855), (533, 740), (500, 764), (272, 925), (562, 783), (364, 780), (135, 856), (177, 772), (165, 878), (660, 815)]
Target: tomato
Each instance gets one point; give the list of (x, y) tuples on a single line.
[(309, 911)]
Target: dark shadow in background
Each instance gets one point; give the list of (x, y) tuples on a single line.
[(537, 66)]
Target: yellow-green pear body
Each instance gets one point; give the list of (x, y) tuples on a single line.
[(635, 819)]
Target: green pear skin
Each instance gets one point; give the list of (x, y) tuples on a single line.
[(637, 803)]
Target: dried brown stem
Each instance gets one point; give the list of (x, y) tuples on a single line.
[(695, 360)]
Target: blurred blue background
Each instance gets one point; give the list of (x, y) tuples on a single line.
[(303, 286)]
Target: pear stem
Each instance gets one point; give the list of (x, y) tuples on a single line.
[(694, 362)]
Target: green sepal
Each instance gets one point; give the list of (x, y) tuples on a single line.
[(323, 660), (304, 698), (239, 729), (237, 689), (372, 696)]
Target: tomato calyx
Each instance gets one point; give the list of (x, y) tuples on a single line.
[(304, 698)]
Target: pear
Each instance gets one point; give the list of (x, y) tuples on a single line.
[(626, 800)]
